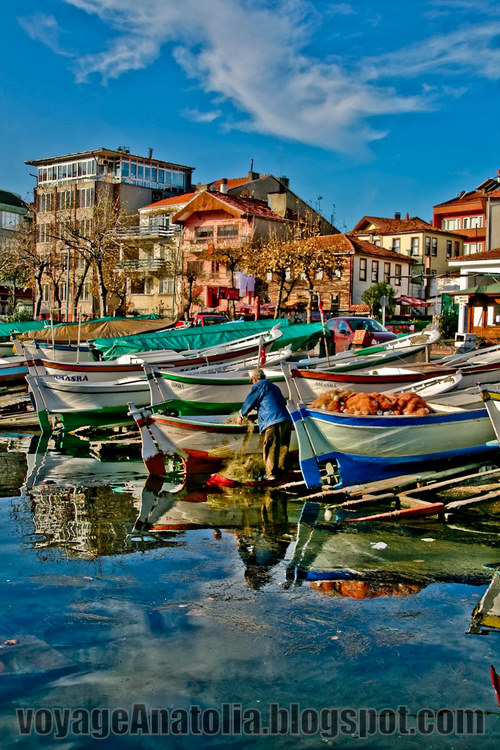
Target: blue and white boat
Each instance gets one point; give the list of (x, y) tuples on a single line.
[(353, 449)]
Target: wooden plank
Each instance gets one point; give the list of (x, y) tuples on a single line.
[(427, 509), (473, 500)]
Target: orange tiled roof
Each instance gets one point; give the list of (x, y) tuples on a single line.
[(245, 205), (232, 182), (384, 225), (486, 255), (471, 195), (175, 200), (345, 243)]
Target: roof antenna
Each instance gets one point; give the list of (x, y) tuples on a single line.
[(251, 165)]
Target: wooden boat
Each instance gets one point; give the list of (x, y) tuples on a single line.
[(190, 393), (491, 398), (196, 393), (478, 367), (203, 442), (357, 449), (85, 404), (12, 370), (235, 352)]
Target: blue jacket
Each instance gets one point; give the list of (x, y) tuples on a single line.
[(269, 402)]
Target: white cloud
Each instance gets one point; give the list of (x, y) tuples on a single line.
[(44, 29), (197, 116), (251, 55)]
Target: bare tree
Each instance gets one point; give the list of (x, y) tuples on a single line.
[(21, 265), (101, 241)]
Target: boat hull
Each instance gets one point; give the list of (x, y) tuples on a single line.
[(85, 404), (371, 448)]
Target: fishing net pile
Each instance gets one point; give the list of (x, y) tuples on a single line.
[(365, 404)]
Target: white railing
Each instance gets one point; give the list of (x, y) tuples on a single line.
[(145, 231)]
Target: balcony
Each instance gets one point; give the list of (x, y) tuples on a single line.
[(139, 232), (148, 265)]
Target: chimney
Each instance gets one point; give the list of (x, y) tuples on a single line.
[(397, 216), (407, 217), (150, 153), (223, 186)]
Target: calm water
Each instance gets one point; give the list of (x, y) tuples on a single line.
[(115, 592)]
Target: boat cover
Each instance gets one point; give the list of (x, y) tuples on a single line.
[(182, 339), (110, 328), (28, 325)]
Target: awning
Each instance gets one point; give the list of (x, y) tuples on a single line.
[(472, 291), (412, 301)]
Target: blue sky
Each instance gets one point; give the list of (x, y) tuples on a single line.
[(375, 107)]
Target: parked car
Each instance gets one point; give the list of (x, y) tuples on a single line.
[(343, 332)]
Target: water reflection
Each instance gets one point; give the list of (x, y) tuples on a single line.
[(92, 499), (486, 616)]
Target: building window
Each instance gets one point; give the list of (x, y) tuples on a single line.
[(415, 245), (166, 286), (62, 292), (64, 199), (448, 248), (473, 222), (203, 233), (427, 246), (46, 292), (374, 271), (362, 269), (44, 233), (319, 274), (387, 273), (85, 197), (9, 219), (396, 244), (269, 276), (434, 246), (149, 285), (45, 202), (288, 274), (452, 224), (227, 230), (86, 295), (397, 275), (473, 247), (457, 249)]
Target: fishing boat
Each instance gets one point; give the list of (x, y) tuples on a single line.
[(71, 341), (491, 399), (12, 370), (204, 442), (354, 449), (84, 404), (475, 368), (196, 393), (238, 352)]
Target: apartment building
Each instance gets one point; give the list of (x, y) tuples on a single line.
[(70, 188), (429, 247), (475, 214)]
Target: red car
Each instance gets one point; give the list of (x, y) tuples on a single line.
[(343, 330)]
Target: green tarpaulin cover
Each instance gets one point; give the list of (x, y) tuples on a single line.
[(29, 325), (180, 339)]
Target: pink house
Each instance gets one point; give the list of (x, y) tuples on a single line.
[(213, 220)]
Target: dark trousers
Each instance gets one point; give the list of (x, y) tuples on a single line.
[(275, 448)]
